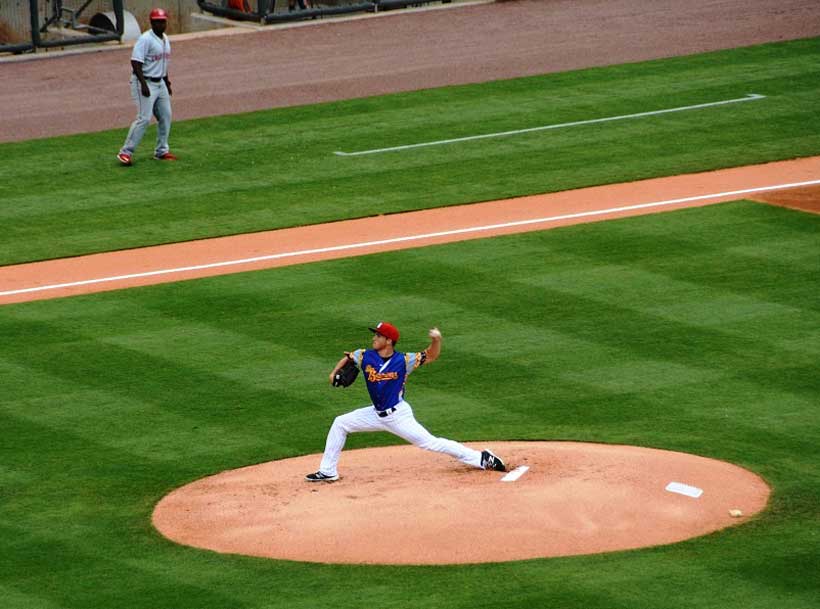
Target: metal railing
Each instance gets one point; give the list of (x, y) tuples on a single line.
[(265, 11), (63, 27)]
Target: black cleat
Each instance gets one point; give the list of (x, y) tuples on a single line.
[(320, 477), (491, 461)]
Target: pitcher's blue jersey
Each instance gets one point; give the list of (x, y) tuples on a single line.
[(385, 378)]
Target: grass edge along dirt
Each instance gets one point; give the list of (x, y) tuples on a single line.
[(273, 169)]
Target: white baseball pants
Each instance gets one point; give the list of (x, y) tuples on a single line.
[(157, 104), (401, 423)]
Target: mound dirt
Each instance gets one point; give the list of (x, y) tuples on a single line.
[(402, 505)]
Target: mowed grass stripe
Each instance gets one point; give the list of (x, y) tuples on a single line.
[(649, 331)]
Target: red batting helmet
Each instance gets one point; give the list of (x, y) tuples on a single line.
[(158, 14)]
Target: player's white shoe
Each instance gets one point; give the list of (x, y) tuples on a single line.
[(492, 461), (320, 477)]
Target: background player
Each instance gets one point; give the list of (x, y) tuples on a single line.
[(385, 372), (150, 88)]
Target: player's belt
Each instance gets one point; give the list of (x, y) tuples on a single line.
[(384, 413), (153, 79)]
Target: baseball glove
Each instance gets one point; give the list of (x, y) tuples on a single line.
[(346, 375)]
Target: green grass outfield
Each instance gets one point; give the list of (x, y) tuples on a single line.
[(694, 330), (264, 170)]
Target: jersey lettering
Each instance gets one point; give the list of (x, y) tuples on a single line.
[(376, 377)]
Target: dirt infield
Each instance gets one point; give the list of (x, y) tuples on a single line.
[(180, 261), (573, 498), (805, 199), (396, 52)]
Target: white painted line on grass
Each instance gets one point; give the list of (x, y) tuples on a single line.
[(408, 238), (516, 474), (684, 489), (749, 97)]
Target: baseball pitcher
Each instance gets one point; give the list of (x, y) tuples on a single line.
[(385, 372)]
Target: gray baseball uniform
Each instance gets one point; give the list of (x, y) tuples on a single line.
[(154, 53)]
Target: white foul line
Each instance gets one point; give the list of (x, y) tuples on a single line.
[(749, 97), (446, 233)]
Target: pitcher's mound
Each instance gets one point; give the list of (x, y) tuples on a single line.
[(403, 505)]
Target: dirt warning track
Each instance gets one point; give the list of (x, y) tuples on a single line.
[(397, 51)]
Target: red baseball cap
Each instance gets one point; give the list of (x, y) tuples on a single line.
[(158, 14), (387, 330)]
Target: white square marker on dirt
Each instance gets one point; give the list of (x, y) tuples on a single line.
[(515, 474), (684, 489)]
